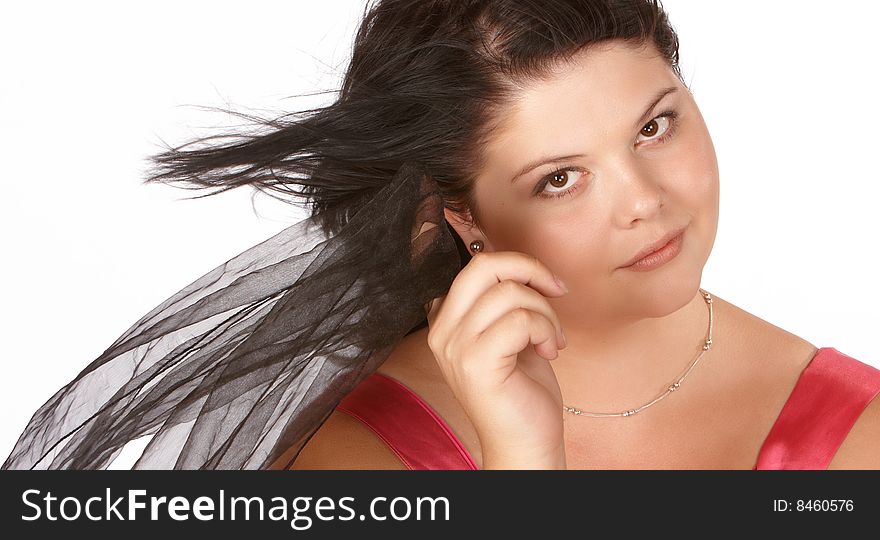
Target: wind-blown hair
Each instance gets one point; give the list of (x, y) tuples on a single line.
[(426, 83)]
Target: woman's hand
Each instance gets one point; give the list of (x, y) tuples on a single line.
[(495, 308)]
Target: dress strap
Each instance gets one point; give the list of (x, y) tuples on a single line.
[(407, 425), (830, 394)]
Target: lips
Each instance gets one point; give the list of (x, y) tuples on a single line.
[(654, 246)]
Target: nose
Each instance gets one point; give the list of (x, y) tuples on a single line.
[(639, 195)]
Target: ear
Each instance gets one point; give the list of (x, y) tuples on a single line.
[(465, 228)]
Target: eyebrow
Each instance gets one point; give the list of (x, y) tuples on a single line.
[(640, 122)]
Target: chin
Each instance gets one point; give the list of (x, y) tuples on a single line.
[(664, 290)]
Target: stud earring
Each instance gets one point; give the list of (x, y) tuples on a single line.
[(477, 246)]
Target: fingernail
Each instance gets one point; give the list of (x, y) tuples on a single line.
[(564, 341), (560, 283)]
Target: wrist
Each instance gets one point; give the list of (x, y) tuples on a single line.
[(496, 460)]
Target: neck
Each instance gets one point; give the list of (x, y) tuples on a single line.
[(622, 366)]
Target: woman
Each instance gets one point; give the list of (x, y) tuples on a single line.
[(619, 192), (585, 297)]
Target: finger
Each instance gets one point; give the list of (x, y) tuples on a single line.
[(499, 350), (504, 297), (485, 270)]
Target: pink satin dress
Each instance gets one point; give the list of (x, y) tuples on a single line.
[(830, 394)]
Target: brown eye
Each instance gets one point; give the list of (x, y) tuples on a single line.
[(661, 127), (559, 183), (558, 179), (650, 128)]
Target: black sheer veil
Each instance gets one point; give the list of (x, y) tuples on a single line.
[(239, 369)]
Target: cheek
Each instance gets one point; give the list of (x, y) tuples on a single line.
[(695, 179), (575, 247), (694, 188)]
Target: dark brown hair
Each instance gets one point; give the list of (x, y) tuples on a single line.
[(425, 83)]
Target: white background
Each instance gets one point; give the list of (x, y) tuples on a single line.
[(87, 90)]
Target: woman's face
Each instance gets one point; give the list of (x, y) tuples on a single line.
[(616, 171)]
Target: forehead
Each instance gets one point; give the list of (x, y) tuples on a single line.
[(600, 91)]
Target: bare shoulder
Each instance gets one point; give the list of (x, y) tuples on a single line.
[(782, 356), (861, 448), (412, 362), (344, 442), (766, 350)]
